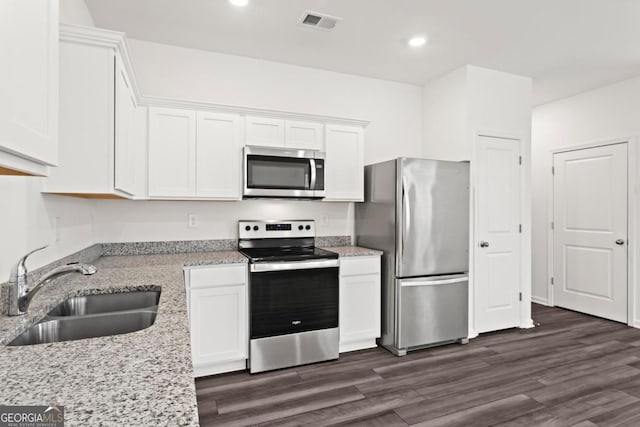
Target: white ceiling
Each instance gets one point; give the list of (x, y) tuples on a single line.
[(567, 46)]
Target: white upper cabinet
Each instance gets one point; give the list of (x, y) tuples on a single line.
[(219, 142), (195, 155), (172, 152), (264, 131), (28, 86), (344, 164), (102, 136), (304, 135), (126, 133), (270, 132)]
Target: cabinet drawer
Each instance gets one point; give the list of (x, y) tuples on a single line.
[(217, 276), (359, 265)]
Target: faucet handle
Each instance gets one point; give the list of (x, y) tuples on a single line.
[(20, 269)]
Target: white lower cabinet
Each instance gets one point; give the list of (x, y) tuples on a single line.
[(217, 300), (359, 302), (218, 317)]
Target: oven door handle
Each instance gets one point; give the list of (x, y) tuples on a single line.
[(296, 265)]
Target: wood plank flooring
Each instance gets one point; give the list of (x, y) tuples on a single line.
[(572, 370)]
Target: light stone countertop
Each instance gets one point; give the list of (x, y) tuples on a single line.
[(140, 378), (352, 251)]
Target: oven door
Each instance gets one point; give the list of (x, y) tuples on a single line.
[(270, 172), (288, 298)]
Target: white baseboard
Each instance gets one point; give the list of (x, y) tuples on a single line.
[(538, 300), (635, 324), (528, 324), (357, 345), (219, 368)]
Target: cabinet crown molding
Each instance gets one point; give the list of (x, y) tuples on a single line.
[(184, 104), (106, 38), (118, 41)]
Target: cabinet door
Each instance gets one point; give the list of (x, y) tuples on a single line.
[(359, 308), (304, 135), (344, 163), (264, 131), (219, 156), (29, 79), (219, 324), (86, 121), (125, 134), (172, 147)]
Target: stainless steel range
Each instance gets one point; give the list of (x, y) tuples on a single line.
[(293, 295)]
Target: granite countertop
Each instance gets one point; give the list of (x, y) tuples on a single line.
[(140, 378), (352, 251)]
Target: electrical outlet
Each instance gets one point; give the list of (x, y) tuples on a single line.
[(192, 221)]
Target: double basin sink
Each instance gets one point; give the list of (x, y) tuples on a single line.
[(93, 316)]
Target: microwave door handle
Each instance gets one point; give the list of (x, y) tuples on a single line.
[(312, 183)]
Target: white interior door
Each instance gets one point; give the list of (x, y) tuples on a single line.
[(590, 231), (497, 272)]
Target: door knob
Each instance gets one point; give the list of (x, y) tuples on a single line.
[(484, 244), (619, 242)]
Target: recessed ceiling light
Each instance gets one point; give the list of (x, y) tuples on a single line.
[(417, 41), (240, 3)]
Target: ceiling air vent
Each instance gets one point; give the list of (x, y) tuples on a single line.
[(319, 21)]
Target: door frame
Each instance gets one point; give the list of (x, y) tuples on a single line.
[(632, 222), (525, 220)]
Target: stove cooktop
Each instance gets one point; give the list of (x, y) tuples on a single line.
[(286, 254)]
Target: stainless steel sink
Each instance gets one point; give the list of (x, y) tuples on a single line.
[(92, 316), (105, 303), (79, 327)]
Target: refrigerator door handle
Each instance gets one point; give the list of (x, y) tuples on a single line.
[(434, 282), (406, 217)]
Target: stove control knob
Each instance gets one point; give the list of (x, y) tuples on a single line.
[(308, 227), (248, 228), (255, 228), (300, 227)]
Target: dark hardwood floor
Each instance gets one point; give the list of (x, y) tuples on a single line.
[(572, 370)]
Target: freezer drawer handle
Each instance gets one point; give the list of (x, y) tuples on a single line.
[(435, 282)]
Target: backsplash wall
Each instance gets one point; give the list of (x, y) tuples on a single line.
[(149, 221), (30, 219)]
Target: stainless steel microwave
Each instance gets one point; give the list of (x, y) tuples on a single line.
[(283, 173)]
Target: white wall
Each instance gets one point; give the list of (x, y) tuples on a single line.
[(599, 115), (394, 110), (75, 12), (456, 107), (445, 109), (28, 221), (122, 221)]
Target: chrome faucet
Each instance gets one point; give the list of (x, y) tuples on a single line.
[(20, 295)]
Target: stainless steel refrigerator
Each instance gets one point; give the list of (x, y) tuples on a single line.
[(417, 212)]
